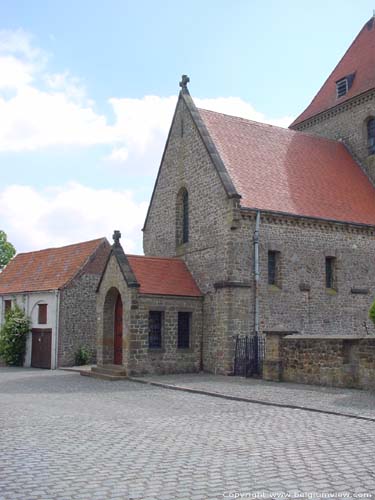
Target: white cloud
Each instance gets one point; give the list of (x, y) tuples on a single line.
[(20, 43), (119, 155), (46, 110), (56, 216), (142, 126)]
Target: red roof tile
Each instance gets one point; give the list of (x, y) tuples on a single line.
[(358, 59), (287, 171), (48, 269), (163, 276)]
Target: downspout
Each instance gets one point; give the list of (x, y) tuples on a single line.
[(57, 295), (256, 274)]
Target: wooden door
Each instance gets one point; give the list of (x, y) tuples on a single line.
[(117, 355), (41, 347)]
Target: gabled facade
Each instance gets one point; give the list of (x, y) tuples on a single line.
[(56, 289)]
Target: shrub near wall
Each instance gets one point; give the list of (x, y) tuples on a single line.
[(13, 337), (371, 314)]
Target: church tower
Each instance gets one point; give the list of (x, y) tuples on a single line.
[(344, 108)]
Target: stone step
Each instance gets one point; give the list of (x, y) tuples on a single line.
[(115, 370), (102, 376)]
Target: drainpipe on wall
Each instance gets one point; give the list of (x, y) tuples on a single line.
[(57, 295), (256, 274)]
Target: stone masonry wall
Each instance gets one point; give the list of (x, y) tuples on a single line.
[(347, 122), (337, 362), (77, 324), (168, 359), (301, 302)]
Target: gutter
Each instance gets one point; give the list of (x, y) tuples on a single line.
[(256, 273)]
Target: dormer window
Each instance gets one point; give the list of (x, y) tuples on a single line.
[(343, 85)]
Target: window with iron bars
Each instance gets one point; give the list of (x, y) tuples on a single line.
[(274, 268), (330, 272), (183, 332), (155, 320), (371, 136)]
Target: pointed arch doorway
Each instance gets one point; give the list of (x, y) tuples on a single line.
[(117, 334)]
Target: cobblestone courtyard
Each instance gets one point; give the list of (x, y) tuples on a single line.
[(63, 436)]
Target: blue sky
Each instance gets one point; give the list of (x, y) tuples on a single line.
[(87, 89)]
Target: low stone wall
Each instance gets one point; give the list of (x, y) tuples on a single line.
[(337, 361)]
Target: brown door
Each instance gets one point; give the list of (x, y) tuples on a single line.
[(117, 356), (41, 347)]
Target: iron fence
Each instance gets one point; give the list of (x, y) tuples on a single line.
[(249, 355)]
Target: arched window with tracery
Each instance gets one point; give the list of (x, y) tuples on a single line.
[(182, 217), (371, 136)]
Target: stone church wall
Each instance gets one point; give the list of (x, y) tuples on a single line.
[(220, 255), (347, 122), (301, 302), (208, 253)]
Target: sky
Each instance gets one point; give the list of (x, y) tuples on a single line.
[(88, 89)]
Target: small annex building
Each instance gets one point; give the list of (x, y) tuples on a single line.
[(56, 289), (150, 313)]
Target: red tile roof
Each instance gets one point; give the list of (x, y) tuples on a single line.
[(163, 276), (358, 59), (283, 170), (48, 269)]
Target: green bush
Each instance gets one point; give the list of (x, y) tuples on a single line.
[(371, 314), (82, 356), (13, 335)]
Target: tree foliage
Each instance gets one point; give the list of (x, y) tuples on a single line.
[(7, 250), (371, 314), (13, 336)]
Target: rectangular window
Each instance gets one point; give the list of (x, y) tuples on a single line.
[(42, 314), (183, 333), (154, 329), (274, 268), (7, 306), (330, 272)]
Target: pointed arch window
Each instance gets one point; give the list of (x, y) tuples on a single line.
[(371, 136), (182, 217)]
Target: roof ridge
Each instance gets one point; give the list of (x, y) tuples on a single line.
[(155, 257), (60, 248), (269, 125)]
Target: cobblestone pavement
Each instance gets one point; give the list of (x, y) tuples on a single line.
[(66, 437), (346, 401)]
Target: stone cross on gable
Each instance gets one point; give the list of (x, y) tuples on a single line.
[(184, 81), (116, 237)]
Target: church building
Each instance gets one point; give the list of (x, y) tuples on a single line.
[(251, 229)]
